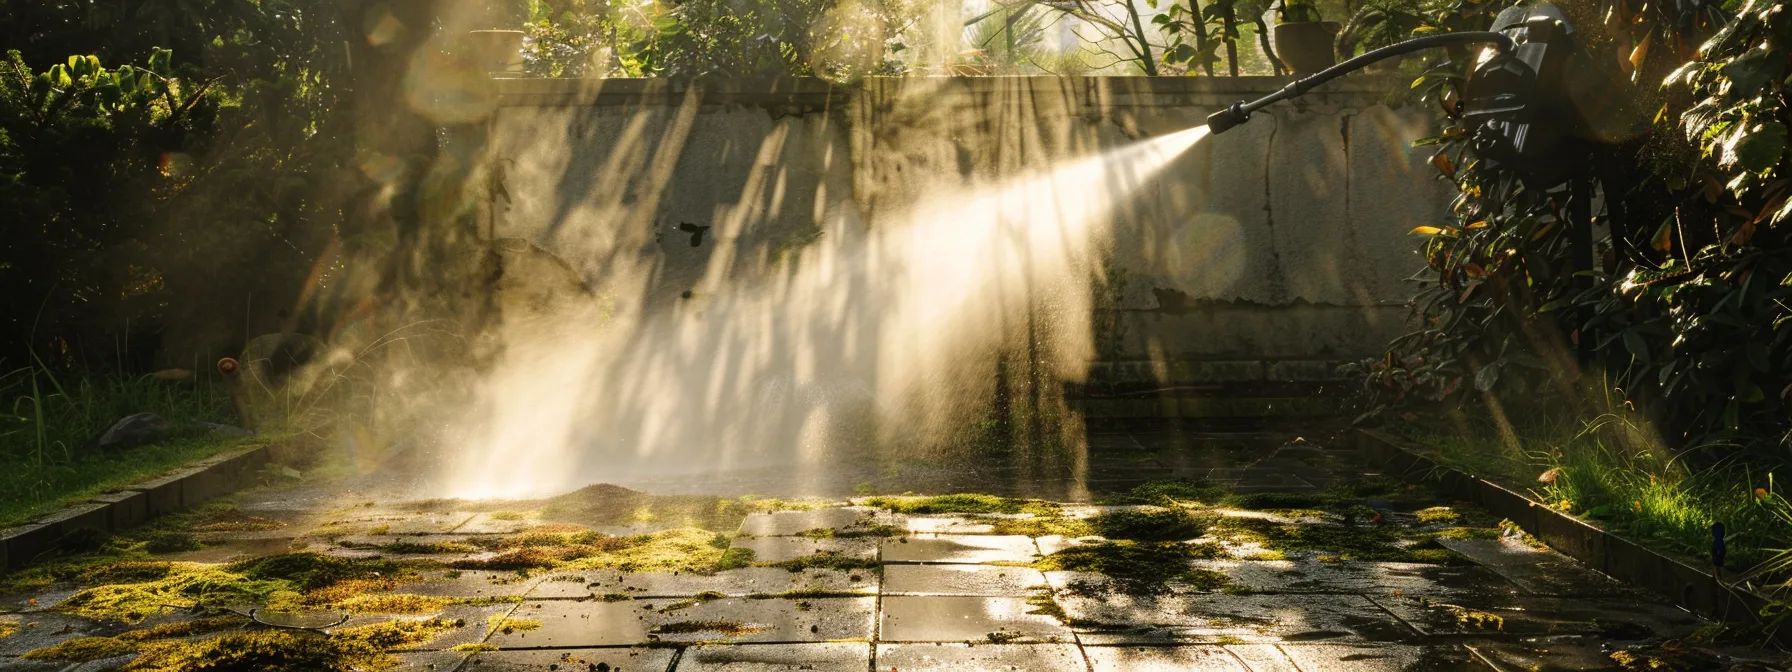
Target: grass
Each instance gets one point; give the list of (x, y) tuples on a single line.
[(963, 503), (47, 420), (1614, 473)]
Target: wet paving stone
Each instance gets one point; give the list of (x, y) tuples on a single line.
[(637, 659), (40, 629), (959, 549), (822, 657), (979, 657), (1557, 654), (788, 523), (575, 623), (470, 583), (1163, 659), (428, 661), (1215, 618), (1377, 578), (1332, 658), (731, 583), (784, 549), (1263, 657), (1539, 572), (1526, 616), (973, 580), (949, 525), (994, 620)]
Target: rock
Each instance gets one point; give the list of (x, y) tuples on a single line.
[(216, 429), (132, 431)]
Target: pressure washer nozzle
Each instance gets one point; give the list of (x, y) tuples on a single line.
[(1223, 120)]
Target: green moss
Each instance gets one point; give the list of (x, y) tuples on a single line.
[(615, 597), (474, 647), (183, 585), (391, 603), (180, 629), (959, 503), (735, 558), (825, 560), (507, 625), (8, 627), (1170, 493), (1260, 501), (728, 628), (82, 649), (310, 571), (607, 505), (432, 548), (805, 594), (361, 647), (1043, 605), (1041, 526), (1137, 567), (1438, 515), (1339, 542), (172, 542), (1164, 525), (855, 531)]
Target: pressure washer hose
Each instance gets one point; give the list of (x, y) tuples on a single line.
[(1240, 112)]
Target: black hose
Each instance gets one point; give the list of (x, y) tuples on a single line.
[(1240, 112)]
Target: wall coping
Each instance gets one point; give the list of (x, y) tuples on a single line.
[(815, 92)]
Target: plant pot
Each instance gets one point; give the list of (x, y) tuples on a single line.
[(497, 51), (1306, 46)]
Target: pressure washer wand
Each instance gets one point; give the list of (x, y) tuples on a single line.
[(1240, 112)]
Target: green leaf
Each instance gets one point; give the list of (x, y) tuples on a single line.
[(1487, 377), (1752, 394), (1182, 53), (1634, 343), (1758, 148)]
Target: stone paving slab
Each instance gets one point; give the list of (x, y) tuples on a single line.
[(732, 583), (1331, 658), (782, 549), (471, 583), (822, 657), (1526, 616), (974, 580), (960, 549), (1293, 576), (966, 619), (1214, 618), (637, 659), (1163, 659), (1539, 572), (978, 658), (1263, 657), (788, 523), (949, 525), (575, 623), (428, 661)]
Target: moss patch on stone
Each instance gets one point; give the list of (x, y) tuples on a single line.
[(1385, 543), (1137, 567), (1041, 526), (1172, 492), (964, 503), (508, 624), (1149, 525), (825, 560), (854, 531), (82, 649)]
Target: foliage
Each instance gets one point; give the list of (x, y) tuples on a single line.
[(151, 192), (1682, 306), (824, 38)]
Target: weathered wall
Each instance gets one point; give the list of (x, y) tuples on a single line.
[(1271, 252)]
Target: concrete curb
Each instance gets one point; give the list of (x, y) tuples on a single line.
[(131, 505), (1690, 587)]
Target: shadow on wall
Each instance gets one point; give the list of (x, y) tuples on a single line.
[(816, 321)]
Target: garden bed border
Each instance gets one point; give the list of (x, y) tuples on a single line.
[(1690, 587), (127, 506)]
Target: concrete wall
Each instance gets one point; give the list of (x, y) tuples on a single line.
[(1269, 253)]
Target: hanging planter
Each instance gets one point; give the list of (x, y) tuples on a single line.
[(1302, 41)]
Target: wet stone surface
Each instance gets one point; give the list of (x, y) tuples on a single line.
[(1200, 551)]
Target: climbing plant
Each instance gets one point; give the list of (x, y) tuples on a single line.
[(1682, 299)]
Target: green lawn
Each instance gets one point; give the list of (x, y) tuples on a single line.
[(28, 491), (48, 418), (1610, 473)]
